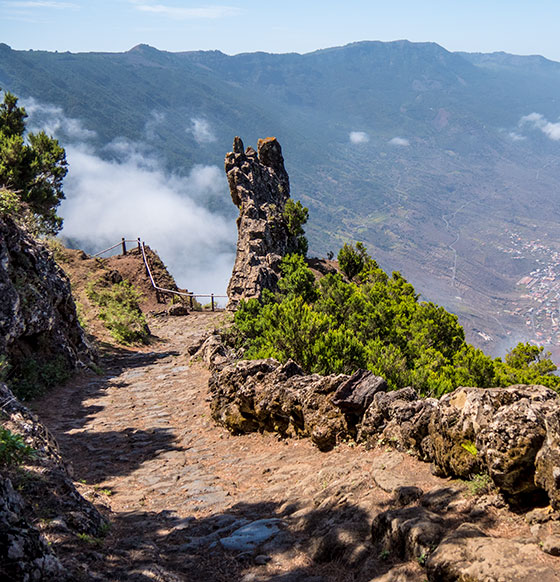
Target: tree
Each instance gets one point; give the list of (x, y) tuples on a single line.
[(295, 216), (352, 260), (525, 356), (31, 166)]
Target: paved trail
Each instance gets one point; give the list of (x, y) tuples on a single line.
[(141, 442)]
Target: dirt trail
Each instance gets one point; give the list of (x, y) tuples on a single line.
[(142, 443)]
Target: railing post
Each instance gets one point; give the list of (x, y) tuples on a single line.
[(212, 297), (123, 243), (191, 301), (139, 246)]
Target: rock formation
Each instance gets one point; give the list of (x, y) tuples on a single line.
[(259, 187), (510, 434), (38, 319)]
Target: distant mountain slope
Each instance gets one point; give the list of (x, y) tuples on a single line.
[(427, 156)]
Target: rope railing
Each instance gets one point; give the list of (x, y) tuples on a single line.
[(160, 290), (121, 244)]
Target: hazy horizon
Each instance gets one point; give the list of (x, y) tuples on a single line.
[(240, 26)]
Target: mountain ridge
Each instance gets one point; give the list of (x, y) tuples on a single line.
[(446, 146)]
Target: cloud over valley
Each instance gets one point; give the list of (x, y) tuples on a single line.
[(131, 195), (538, 121)]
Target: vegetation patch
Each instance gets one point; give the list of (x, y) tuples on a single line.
[(368, 319), (119, 310), (13, 451)]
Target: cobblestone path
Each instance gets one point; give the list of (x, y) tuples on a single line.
[(176, 486)]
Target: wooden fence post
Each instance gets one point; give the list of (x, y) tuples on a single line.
[(123, 242), (191, 301), (139, 246), (212, 297)]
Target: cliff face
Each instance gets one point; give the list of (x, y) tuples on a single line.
[(38, 321), (259, 187)]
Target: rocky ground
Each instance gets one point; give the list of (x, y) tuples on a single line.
[(188, 501)]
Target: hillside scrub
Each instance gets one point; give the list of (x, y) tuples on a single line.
[(119, 310), (375, 321)]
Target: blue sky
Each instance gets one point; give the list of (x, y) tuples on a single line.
[(234, 26)]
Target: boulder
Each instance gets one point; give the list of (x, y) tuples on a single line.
[(509, 445), (213, 352), (401, 418), (407, 533), (355, 395), (467, 433)]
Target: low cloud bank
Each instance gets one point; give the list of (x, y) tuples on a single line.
[(538, 121), (131, 195)]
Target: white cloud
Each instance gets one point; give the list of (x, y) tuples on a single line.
[(201, 130), (515, 136), (52, 120), (399, 141), (538, 121), (131, 195), (205, 12), (359, 137)]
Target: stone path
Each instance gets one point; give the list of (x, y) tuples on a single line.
[(190, 502)]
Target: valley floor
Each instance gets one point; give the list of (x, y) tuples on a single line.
[(177, 488)]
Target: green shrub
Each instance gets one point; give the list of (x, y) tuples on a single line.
[(352, 260), (376, 322), (295, 216), (13, 451), (119, 310)]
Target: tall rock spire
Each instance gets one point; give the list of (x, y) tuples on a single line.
[(259, 187)]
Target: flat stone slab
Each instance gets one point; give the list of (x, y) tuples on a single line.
[(252, 535)]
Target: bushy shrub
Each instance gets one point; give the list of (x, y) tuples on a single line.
[(10, 203), (13, 451), (376, 322), (34, 376), (119, 310), (31, 165)]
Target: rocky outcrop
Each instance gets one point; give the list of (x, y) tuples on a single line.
[(45, 494), (259, 187), (547, 466), (512, 434), (38, 322)]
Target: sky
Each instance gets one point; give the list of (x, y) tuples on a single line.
[(236, 26)]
